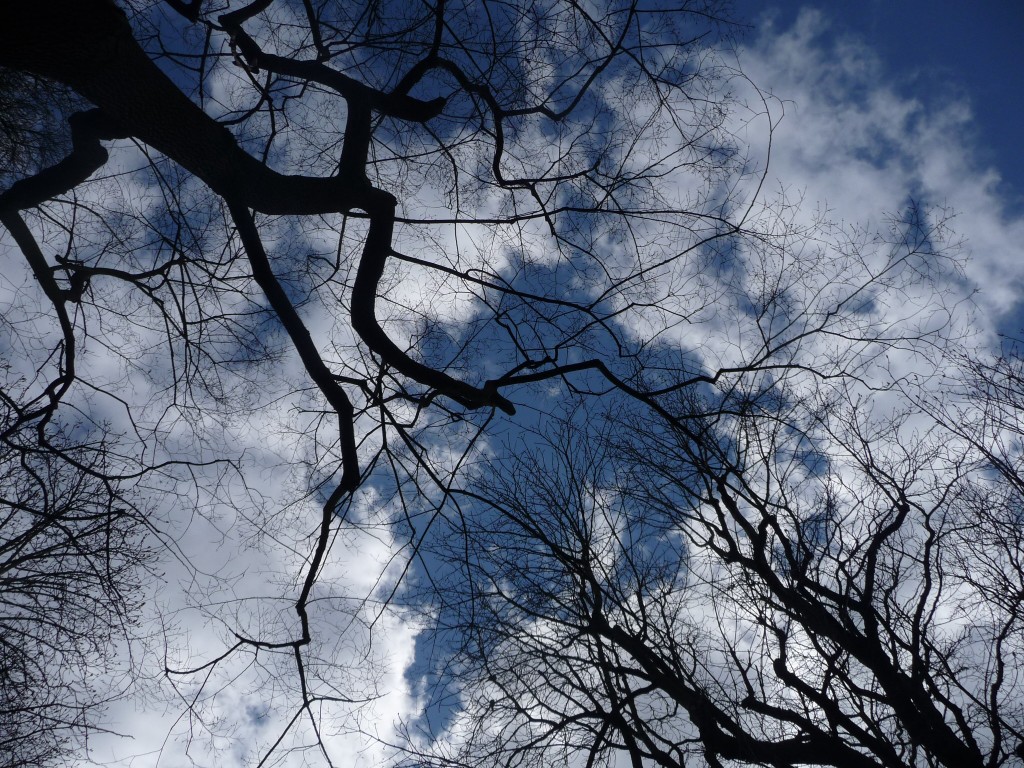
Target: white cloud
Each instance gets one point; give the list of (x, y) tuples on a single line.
[(853, 141)]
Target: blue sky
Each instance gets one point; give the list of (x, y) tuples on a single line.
[(934, 51)]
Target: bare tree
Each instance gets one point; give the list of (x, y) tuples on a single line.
[(749, 599), (787, 565), (413, 223), (72, 554), (426, 206)]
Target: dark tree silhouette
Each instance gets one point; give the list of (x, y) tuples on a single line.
[(72, 553), (839, 593), (784, 568), (418, 225)]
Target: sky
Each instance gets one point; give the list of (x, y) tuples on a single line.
[(935, 51), (946, 77), (884, 102)]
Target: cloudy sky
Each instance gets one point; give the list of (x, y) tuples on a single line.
[(934, 52), (904, 98), (884, 102)]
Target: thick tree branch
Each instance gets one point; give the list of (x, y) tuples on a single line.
[(302, 341)]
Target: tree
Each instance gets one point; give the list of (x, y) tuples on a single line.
[(722, 606), (773, 570), (74, 548), (72, 552), (410, 224), (437, 107)]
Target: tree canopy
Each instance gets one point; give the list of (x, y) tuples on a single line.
[(473, 332)]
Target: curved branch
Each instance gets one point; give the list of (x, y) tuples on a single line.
[(381, 207), (86, 157), (41, 271), (301, 339), (89, 45)]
